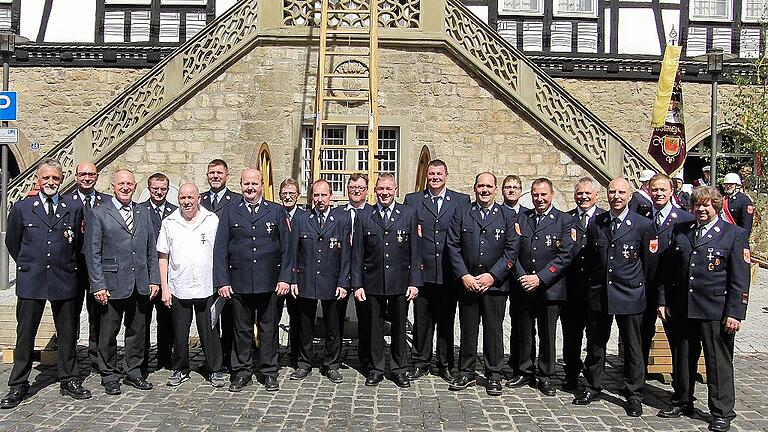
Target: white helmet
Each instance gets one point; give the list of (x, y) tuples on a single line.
[(732, 178), (679, 176), (645, 175)]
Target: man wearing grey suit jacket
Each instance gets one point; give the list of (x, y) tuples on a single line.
[(123, 270)]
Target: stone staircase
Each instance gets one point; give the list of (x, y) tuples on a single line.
[(445, 24)]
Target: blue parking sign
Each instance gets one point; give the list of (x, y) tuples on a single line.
[(8, 106)]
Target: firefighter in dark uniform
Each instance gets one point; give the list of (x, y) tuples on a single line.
[(641, 202), (574, 313), (386, 273), (216, 199), (738, 208), (436, 303), (704, 305), (482, 246), (43, 238), (618, 244), (665, 217), (289, 196), (322, 255), (87, 197), (544, 253), (251, 267), (681, 198), (159, 208)]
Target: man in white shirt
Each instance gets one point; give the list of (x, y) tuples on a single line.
[(185, 250)]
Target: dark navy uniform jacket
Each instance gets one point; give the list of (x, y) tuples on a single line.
[(119, 259), (577, 273), (663, 237), (228, 199), (385, 254), (433, 230), (545, 251), (684, 199), (73, 200), (157, 221), (251, 251), (490, 245), (742, 209), (640, 204), (707, 278), (617, 278), (45, 252), (322, 256)]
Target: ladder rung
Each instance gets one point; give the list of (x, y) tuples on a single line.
[(349, 31), (350, 11), (346, 98), (346, 75), (348, 53), (346, 89), (343, 147), (343, 123)]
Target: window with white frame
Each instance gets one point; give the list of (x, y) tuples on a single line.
[(755, 10), (711, 9), (131, 20), (576, 7), (535, 7), (347, 160)]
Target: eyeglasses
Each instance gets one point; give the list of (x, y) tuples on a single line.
[(87, 174), (513, 187), (289, 194), (357, 188)]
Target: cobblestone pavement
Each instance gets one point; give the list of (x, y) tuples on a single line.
[(315, 404)]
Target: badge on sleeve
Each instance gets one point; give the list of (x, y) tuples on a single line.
[(510, 264), (747, 256), (653, 245), (517, 229), (744, 298), (573, 234), (750, 209), (552, 269)]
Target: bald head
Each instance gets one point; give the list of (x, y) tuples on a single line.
[(252, 185), (189, 200), (618, 195), (124, 185), (86, 176)]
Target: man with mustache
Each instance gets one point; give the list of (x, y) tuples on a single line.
[(289, 196), (43, 238), (482, 246), (121, 254), (386, 274), (159, 208), (185, 248), (618, 245), (703, 299), (436, 304), (252, 266)]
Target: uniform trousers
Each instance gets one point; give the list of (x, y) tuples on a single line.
[(93, 309), (434, 307), (248, 309), (488, 307), (226, 326), (687, 337), (164, 333), (133, 311), (532, 313), (334, 313), (294, 342), (65, 318), (363, 313), (599, 332), (648, 330), (395, 308), (574, 323), (181, 312)]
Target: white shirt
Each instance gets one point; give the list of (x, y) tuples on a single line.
[(190, 253), (590, 213), (44, 200), (440, 201)]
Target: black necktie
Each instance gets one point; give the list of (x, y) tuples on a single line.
[(436, 203), (159, 212), (484, 213), (321, 219), (254, 208), (49, 202), (87, 202), (215, 201), (584, 221), (659, 219), (615, 224)]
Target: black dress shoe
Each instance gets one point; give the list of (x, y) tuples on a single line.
[(462, 382), (334, 376), (112, 388), (374, 378), (239, 383), (634, 408), (675, 411), (14, 397), (138, 383), (418, 372), (401, 380), (519, 381), (75, 390), (300, 374), (493, 387), (270, 383), (546, 388), (719, 424), (446, 375), (586, 398)]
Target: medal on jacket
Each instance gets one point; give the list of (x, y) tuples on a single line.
[(69, 235), (269, 227), (625, 252), (498, 233), (334, 243), (709, 255), (549, 240), (399, 236)]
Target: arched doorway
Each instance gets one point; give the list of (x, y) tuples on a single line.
[(264, 161), (731, 156), (421, 169)]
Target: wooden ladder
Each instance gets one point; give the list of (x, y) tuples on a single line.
[(331, 33)]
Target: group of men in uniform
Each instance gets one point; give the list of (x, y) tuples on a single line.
[(645, 256)]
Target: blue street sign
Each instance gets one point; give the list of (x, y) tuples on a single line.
[(8, 106)]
